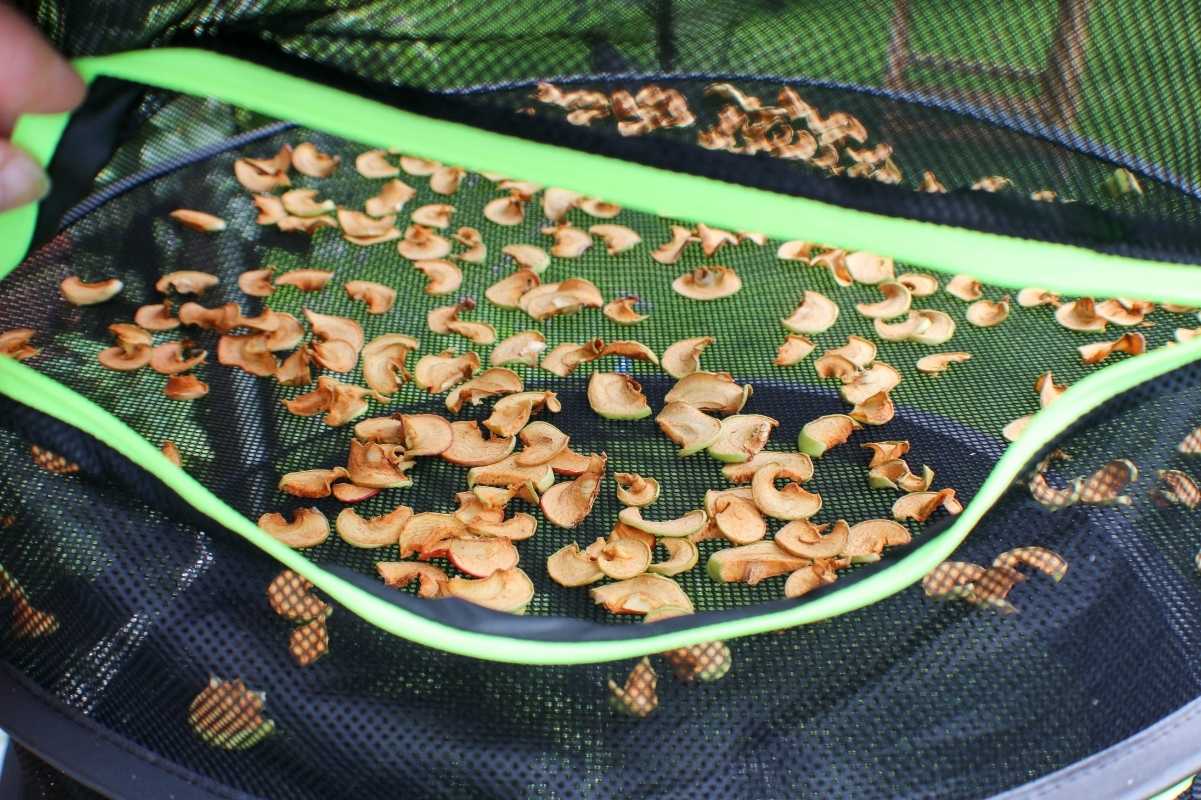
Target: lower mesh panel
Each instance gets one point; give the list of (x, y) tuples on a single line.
[(238, 440), (910, 697)]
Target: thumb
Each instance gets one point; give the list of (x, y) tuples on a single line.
[(22, 181)]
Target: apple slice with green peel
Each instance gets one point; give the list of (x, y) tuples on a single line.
[(820, 434), (741, 437), (896, 474), (641, 595), (569, 503), (886, 451), (482, 557), (615, 395), (797, 463), (469, 448), (682, 556), (508, 590), (623, 558), (623, 531), (686, 525), (570, 567), (666, 612), (752, 563), (710, 391), (791, 502), (398, 574), (804, 539), (692, 429)]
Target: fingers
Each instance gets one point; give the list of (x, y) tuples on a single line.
[(21, 179), (36, 79)]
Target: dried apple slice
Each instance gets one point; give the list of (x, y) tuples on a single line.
[(375, 164), (445, 179), (1104, 487), (482, 557), (1032, 298), (306, 280), (507, 211), (919, 284), (291, 596), (621, 310), (738, 519), (599, 208), (952, 579), (570, 242), (1045, 561), (508, 291), (198, 220), (381, 531), (185, 387), (358, 226), (270, 209), (251, 174), (635, 490), (516, 528), (423, 244), (306, 224), (1191, 443), (1132, 343), (741, 437), (507, 590), (521, 348), (886, 451), (752, 563), (875, 410), (683, 357), (567, 504), (437, 373), (303, 203), (1121, 311), (791, 502), (378, 297), (310, 483), (491, 382), (867, 540), (707, 283), (796, 250), (378, 466), (624, 558), (896, 302), (1080, 315), (641, 595), (879, 377), (511, 413), (429, 534), (257, 282), (308, 160), (541, 442), (418, 167), (170, 358), (794, 350), (815, 314), (615, 395), (804, 539), (156, 317), (688, 426), (629, 348), (669, 252), (682, 555), (424, 434), (391, 198), (563, 359), (918, 506), (796, 463), (895, 474), (987, 313), (469, 448), (308, 527), (442, 277), (251, 353), (383, 430), (710, 391), (399, 574), (80, 293), (528, 256), (937, 363), (965, 287), (868, 267), (557, 202), (433, 215), (383, 361), (939, 330), (685, 525), (126, 356), (819, 435), (617, 238), (349, 493), (806, 579), (566, 297), (569, 567)]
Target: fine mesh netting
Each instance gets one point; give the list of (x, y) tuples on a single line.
[(149, 628)]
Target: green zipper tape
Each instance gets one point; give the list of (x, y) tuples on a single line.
[(1000, 260), (996, 259), (35, 390)]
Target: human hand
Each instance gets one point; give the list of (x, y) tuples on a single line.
[(37, 80)]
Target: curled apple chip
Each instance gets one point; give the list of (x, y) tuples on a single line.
[(469, 448), (623, 558), (307, 225), (621, 310), (308, 527), (1123, 311), (807, 579), (423, 244), (357, 226), (622, 531), (186, 281), (874, 410), (858, 351), (1133, 343), (791, 502), (741, 437), (528, 256), (1175, 488), (669, 252), (511, 413), (635, 490), (521, 348), (616, 395), (804, 539), (796, 250), (507, 211), (867, 540), (433, 215), (569, 503), (417, 167), (375, 164), (311, 483), (939, 330), (570, 242), (482, 557), (540, 442), (1014, 429), (684, 357), (518, 527), (171, 358), (185, 387), (381, 531), (886, 451), (710, 391), (308, 160), (437, 373), (599, 208), (794, 350), (442, 277), (1080, 315), (685, 525), (918, 506), (1045, 561), (423, 434), (378, 466), (879, 377), (82, 293), (156, 317), (337, 341), (707, 283), (565, 297), (896, 302), (563, 359), (1048, 390), (919, 284), (832, 365), (270, 209), (306, 280), (198, 220), (255, 175), (228, 715), (257, 282), (815, 314), (689, 427), (384, 430), (557, 202), (895, 474), (378, 297), (965, 287), (617, 238), (937, 363), (223, 318), (798, 464), (507, 590), (125, 357), (429, 534), (752, 563), (819, 435), (508, 291), (987, 313), (399, 574), (570, 567), (341, 402), (304, 203), (391, 199), (869, 268), (1033, 297), (383, 361), (738, 519), (492, 382), (712, 496), (629, 348), (1191, 443), (641, 594), (446, 179)]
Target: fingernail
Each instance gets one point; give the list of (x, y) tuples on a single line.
[(22, 181)]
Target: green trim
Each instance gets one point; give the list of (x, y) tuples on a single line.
[(35, 390), (37, 135), (1174, 791), (1000, 260)]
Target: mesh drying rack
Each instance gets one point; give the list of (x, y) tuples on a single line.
[(969, 230)]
